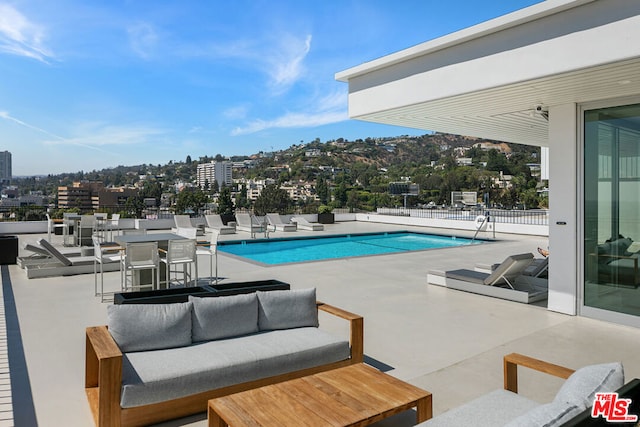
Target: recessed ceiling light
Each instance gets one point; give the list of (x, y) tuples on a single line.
[(624, 82)]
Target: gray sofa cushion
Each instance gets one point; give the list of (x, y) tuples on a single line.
[(287, 309), (581, 387), (223, 317), (550, 415), (156, 376), (141, 327), (617, 247), (493, 409)]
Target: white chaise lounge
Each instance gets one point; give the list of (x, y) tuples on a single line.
[(246, 222), (506, 281), (214, 223), (276, 221), (38, 252), (58, 264), (303, 224), (537, 268), (184, 222)]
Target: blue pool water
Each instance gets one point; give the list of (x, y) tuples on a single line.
[(281, 251)]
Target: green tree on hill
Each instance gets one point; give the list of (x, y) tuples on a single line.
[(225, 204), (272, 199), (323, 191), (242, 199), (190, 199)]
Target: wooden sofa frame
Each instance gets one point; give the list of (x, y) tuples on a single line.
[(103, 378), (513, 360)]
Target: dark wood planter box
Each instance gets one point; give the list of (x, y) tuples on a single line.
[(8, 249), (248, 287), (226, 218), (166, 296), (326, 218), (163, 296)]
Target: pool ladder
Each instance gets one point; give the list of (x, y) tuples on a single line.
[(486, 220)]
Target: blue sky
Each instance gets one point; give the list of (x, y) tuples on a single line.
[(90, 84)]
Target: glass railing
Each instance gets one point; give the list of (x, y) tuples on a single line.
[(516, 216)]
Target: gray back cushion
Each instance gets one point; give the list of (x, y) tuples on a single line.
[(581, 387), (223, 317), (287, 309), (141, 327)]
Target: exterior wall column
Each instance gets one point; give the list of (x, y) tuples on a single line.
[(563, 209)]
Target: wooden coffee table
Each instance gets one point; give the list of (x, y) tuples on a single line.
[(353, 395)]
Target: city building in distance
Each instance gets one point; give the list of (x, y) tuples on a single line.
[(221, 172)]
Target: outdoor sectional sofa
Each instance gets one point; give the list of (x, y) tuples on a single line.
[(505, 407), (155, 362), (618, 262)]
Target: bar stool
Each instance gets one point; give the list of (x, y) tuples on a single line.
[(180, 256), (137, 258), (100, 257), (210, 249), (113, 225)]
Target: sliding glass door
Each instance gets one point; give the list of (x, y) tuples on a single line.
[(612, 209)]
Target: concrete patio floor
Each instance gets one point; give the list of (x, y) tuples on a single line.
[(445, 341)]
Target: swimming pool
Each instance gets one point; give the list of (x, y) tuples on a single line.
[(283, 251)]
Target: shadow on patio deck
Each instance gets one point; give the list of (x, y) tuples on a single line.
[(19, 394)]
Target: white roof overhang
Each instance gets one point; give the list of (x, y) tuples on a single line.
[(486, 81)]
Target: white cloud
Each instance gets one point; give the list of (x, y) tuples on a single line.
[(285, 63), (143, 38), (280, 57), (19, 36), (5, 115), (331, 108), (95, 136)]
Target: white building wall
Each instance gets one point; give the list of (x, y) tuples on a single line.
[(563, 209), (215, 171)]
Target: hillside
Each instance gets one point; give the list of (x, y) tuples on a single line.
[(439, 163)]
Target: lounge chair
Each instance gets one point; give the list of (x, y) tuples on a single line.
[(538, 268), (276, 221), (506, 282), (184, 221), (214, 223), (303, 224), (249, 223), (38, 251), (58, 264)]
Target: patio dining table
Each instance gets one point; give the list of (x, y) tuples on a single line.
[(161, 238)]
